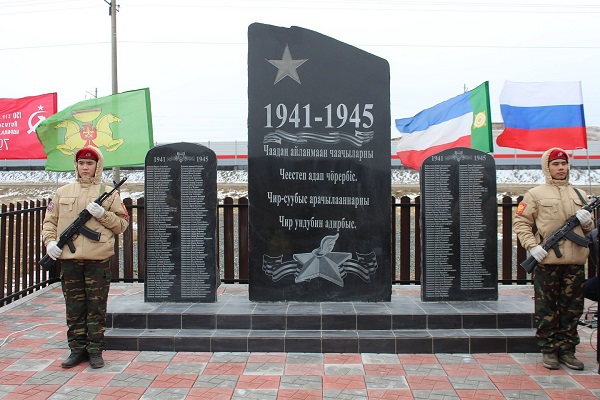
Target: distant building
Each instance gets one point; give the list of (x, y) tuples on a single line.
[(593, 132)]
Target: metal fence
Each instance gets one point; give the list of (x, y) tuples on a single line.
[(21, 246)]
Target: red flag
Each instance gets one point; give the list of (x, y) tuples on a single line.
[(18, 120)]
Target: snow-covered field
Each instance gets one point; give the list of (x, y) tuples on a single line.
[(26, 185), (528, 176)]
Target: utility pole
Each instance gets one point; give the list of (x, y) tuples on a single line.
[(113, 46)]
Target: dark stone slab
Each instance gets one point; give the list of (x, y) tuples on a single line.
[(478, 321), (125, 344), (370, 345), (156, 344), (198, 321), (192, 344), (269, 322), (181, 213), (270, 344), (234, 321), (193, 340), (229, 343), (122, 339), (409, 321), (338, 322), (340, 344), (302, 344), (319, 168), (416, 327), (459, 223), (522, 344), (373, 321), (444, 321), (488, 345), (305, 322), (376, 342), (407, 345), (523, 320), (130, 321), (163, 321), (450, 345)]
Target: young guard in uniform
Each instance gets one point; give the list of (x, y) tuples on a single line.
[(85, 274), (558, 281)]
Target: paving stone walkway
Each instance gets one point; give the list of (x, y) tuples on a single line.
[(33, 344)]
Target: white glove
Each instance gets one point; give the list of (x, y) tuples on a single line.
[(538, 253), (95, 209), (53, 250), (584, 217)]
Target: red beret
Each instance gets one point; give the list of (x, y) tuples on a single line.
[(558, 154), (86, 153)]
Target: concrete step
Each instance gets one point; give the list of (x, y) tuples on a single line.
[(403, 325), (406, 341)]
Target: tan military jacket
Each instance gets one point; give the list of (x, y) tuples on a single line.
[(70, 200), (548, 206)]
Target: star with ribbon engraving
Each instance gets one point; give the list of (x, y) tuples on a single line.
[(287, 66), (322, 262)]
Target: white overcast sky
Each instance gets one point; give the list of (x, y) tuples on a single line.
[(192, 54)]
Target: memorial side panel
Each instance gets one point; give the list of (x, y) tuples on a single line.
[(459, 226), (181, 206)]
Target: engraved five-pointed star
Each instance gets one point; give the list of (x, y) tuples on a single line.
[(287, 66), (326, 266)]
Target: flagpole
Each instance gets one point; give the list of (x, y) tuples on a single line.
[(587, 155), (113, 44)]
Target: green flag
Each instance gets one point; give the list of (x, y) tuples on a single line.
[(120, 125)]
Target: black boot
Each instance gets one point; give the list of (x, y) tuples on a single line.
[(96, 360), (74, 359)]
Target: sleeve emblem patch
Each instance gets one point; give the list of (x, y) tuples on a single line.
[(126, 216)]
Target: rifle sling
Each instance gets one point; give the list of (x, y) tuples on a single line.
[(580, 196)]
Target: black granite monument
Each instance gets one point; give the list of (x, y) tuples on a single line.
[(459, 221), (319, 168), (181, 221)]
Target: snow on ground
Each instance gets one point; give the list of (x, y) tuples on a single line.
[(399, 176)]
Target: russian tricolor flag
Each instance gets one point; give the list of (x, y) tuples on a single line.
[(463, 121), (541, 115)]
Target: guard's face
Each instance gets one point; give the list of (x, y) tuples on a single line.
[(86, 168), (558, 169)]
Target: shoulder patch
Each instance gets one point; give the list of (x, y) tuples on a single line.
[(50, 207), (126, 216), (521, 208)]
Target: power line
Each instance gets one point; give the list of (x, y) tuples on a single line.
[(390, 5), (392, 45), (37, 11), (52, 46), (394, 5), (19, 3)]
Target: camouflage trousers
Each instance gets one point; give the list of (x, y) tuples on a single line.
[(85, 286), (558, 306)]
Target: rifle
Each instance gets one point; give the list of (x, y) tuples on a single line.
[(78, 227), (564, 232)]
